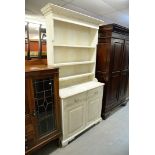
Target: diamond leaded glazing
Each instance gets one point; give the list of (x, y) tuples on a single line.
[(44, 104)]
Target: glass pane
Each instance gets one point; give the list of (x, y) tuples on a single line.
[(44, 105)]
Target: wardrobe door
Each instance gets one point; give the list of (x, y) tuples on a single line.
[(116, 55), (125, 61), (112, 91), (115, 74), (124, 84)]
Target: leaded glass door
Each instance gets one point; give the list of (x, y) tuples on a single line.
[(44, 105)]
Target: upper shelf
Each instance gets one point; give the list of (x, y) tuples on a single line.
[(76, 46)]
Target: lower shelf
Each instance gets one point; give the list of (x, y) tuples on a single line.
[(75, 76)]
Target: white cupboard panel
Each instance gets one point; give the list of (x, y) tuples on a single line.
[(76, 119)]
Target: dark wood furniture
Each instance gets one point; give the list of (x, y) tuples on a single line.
[(112, 66), (42, 106), (36, 61)]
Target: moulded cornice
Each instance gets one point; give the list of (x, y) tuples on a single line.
[(55, 9)]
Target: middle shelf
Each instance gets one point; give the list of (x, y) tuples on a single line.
[(63, 54)]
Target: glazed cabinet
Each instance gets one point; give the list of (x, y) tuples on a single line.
[(42, 107), (112, 66)]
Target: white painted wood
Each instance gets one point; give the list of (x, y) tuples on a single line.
[(75, 76), (71, 45), (80, 112), (64, 142), (73, 63), (71, 37), (71, 16), (74, 35), (94, 104), (76, 81), (74, 114), (75, 70), (77, 46), (76, 89), (70, 54), (50, 36)]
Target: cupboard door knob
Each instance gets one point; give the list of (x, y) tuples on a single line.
[(34, 113)]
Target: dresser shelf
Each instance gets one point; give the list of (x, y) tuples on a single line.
[(75, 76), (73, 63), (76, 46)]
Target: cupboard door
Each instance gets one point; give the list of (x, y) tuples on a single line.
[(44, 108), (94, 104), (125, 61), (113, 90), (74, 114), (117, 54), (124, 84)]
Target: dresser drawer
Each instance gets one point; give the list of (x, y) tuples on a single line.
[(94, 93), (74, 100)]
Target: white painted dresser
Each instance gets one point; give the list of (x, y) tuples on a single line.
[(71, 46)]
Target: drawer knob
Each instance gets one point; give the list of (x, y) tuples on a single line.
[(76, 100), (96, 93)]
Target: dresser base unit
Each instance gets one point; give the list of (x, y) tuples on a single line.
[(81, 108), (112, 66), (66, 141)]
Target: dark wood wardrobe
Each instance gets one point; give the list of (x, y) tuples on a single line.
[(112, 66), (42, 106)]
